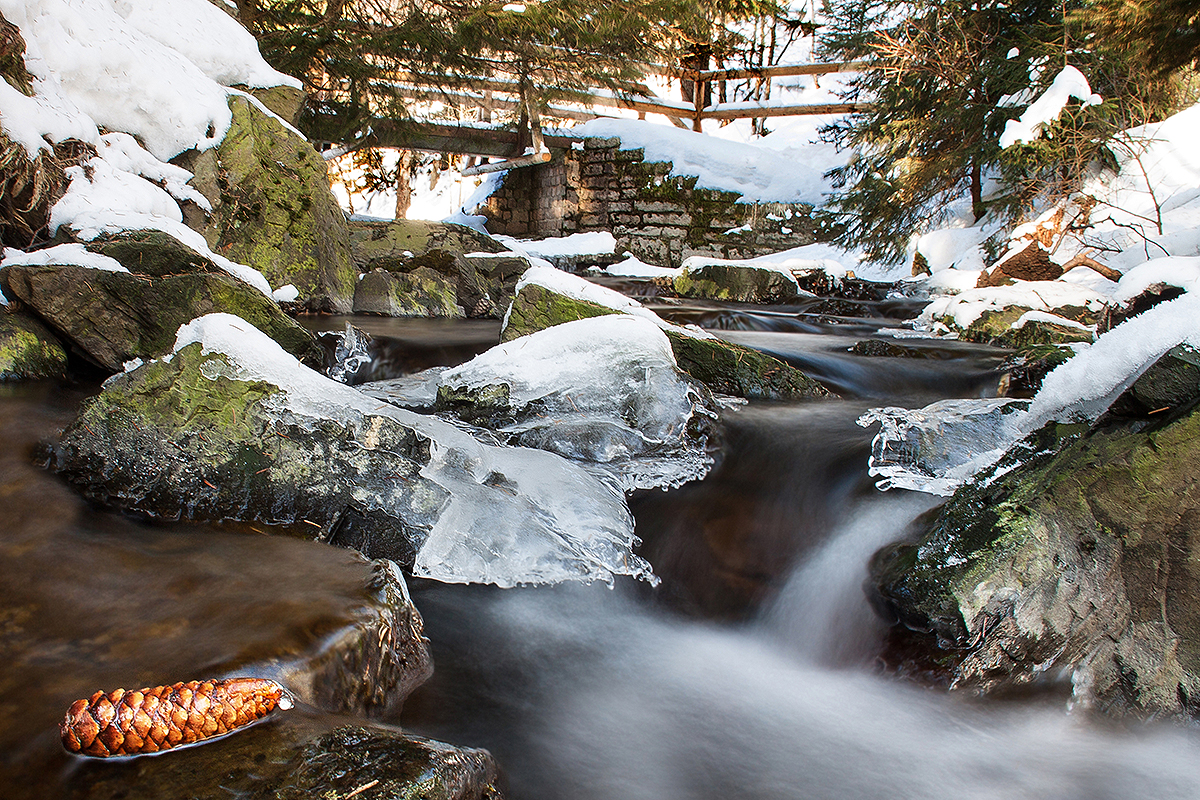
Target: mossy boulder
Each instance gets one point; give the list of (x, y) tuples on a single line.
[(377, 242), (28, 350), (114, 317), (741, 371), (1084, 559), (272, 208), (419, 293), (535, 308), (187, 438), (150, 252), (736, 283), (483, 271), (996, 328), (721, 366)]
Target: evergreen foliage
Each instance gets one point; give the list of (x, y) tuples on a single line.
[(1162, 35), (946, 76)]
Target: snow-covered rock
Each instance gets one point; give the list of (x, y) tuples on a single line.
[(230, 427)]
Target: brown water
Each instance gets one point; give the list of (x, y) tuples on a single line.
[(95, 601)]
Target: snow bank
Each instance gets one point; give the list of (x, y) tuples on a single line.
[(968, 306), (155, 68), (756, 173)]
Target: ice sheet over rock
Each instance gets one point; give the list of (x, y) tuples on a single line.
[(937, 448), (515, 515), (604, 390)]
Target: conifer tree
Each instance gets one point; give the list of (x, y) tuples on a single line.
[(946, 76)]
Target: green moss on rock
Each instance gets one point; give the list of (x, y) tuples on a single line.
[(114, 317), (740, 371), (1085, 558), (28, 350), (736, 283), (402, 239), (273, 209), (189, 438), (536, 308)]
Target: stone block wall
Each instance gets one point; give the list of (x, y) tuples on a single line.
[(596, 186)]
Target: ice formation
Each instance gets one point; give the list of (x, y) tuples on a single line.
[(516, 515), (604, 390)]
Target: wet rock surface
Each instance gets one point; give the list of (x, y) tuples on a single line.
[(114, 317), (1080, 559), (297, 755)]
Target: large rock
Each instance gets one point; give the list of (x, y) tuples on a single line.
[(298, 755), (721, 366), (378, 243), (231, 428), (187, 438), (114, 317), (419, 293), (1082, 560), (28, 350), (273, 210), (481, 282), (738, 283)]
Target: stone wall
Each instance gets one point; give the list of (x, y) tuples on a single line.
[(596, 186)]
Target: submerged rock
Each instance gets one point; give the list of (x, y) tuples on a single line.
[(229, 427), (272, 208), (1076, 555), (298, 755), (28, 350), (723, 367), (114, 317), (392, 764)]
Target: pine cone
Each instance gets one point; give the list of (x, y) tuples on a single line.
[(123, 723)]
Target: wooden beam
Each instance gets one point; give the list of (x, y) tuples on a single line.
[(777, 71), (533, 159)]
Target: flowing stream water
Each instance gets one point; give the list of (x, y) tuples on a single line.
[(748, 673)]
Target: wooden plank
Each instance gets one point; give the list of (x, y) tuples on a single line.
[(778, 71)]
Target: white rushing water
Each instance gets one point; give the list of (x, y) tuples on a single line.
[(609, 700)]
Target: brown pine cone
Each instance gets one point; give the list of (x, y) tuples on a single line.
[(125, 723)]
